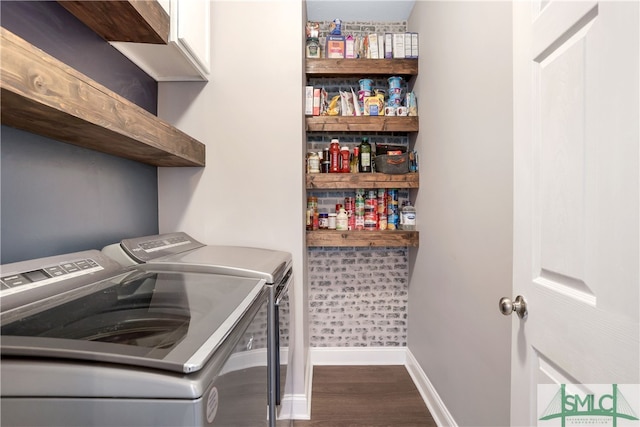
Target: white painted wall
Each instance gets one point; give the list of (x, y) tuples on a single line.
[(250, 117), (464, 204)]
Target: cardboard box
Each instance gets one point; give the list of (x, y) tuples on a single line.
[(308, 100), (335, 47), (407, 45), (316, 102), (388, 46), (398, 45), (415, 51), (373, 46), (350, 47)]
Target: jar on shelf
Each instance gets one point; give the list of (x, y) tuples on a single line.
[(313, 161), (408, 217)]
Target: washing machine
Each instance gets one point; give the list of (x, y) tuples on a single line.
[(86, 342), (181, 252)]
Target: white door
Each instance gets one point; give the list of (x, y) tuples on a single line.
[(576, 199)]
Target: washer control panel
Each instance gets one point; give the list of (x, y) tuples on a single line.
[(22, 281), (27, 283)]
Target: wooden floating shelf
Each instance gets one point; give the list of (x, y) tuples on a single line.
[(323, 67), (44, 96), (338, 181), (360, 238), (123, 21), (361, 124)]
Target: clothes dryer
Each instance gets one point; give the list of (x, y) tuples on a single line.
[(181, 252)]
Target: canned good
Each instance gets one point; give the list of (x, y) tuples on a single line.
[(370, 221), (382, 222), (359, 209), (350, 206), (393, 213), (382, 201)]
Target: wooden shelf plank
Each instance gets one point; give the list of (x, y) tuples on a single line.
[(323, 67), (44, 96), (140, 21), (377, 238), (337, 181), (361, 124)]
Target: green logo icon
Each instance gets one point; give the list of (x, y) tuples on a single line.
[(589, 409)]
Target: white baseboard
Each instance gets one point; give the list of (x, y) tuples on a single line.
[(358, 355), (299, 406), (438, 410)]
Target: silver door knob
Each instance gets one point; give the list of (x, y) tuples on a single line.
[(519, 306)]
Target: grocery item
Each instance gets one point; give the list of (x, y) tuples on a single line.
[(313, 162), (334, 156), (342, 220), (365, 155), (408, 221), (344, 160), (355, 159)]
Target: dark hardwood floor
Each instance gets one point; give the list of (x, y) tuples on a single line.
[(372, 396)]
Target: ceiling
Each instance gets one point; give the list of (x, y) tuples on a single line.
[(359, 10)]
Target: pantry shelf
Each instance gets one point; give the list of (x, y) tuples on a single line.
[(338, 181), (123, 21), (361, 124), (44, 96), (360, 238), (327, 67)]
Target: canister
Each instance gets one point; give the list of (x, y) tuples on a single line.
[(332, 220)]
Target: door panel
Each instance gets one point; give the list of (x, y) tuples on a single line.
[(577, 197)]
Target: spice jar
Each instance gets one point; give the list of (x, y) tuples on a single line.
[(314, 162)]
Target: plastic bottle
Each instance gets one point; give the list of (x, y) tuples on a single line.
[(342, 220), (408, 220), (365, 155), (344, 159), (334, 155)]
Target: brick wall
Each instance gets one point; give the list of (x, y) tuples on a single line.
[(358, 297)]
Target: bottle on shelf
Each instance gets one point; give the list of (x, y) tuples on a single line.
[(408, 217), (345, 166), (342, 220), (365, 155), (334, 155), (355, 160)]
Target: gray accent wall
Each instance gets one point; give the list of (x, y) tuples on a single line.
[(56, 197)]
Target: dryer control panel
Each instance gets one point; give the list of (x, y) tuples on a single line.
[(147, 248)]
